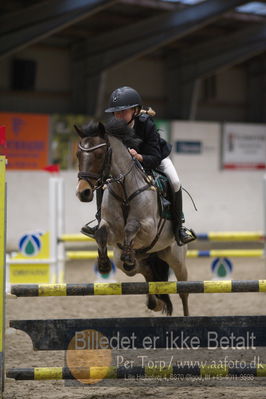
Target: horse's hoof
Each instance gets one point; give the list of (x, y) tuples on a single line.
[(129, 266), (128, 259), (128, 256), (124, 256), (155, 304), (105, 267)]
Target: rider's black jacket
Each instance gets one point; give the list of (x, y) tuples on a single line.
[(153, 148)]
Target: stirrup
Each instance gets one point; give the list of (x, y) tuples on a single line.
[(89, 231), (185, 236)]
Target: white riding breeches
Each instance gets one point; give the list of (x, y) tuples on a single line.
[(167, 167)]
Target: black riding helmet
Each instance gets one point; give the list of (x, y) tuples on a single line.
[(123, 98)]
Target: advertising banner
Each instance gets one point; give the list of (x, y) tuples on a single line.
[(27, 140), (244, 146), (65, 139)]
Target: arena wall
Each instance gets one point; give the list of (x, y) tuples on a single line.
[(226, 199)]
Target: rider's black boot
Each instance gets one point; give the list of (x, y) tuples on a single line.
[(183, 235), (86, 229)]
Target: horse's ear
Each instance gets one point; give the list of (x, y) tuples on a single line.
[(101, 128), (79, 131)]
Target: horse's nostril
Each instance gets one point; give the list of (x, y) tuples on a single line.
[(85, 196), (87, 193)]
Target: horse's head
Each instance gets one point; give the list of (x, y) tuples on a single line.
[(92, 156)]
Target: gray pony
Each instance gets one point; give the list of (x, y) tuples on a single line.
[(143, 242)]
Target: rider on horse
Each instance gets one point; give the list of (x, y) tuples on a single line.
[(125, 103)]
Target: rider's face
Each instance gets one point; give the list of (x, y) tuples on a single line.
[(126, 114)]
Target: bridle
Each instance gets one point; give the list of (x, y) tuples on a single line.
[(103, 177), (105, 171)]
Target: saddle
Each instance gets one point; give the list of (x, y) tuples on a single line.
[(164, 191)]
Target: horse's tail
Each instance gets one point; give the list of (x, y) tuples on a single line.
[(160, 272)]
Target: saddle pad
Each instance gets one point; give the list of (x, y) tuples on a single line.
[(164, 194)]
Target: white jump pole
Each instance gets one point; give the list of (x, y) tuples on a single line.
[(264, 209), (2, 267), (56, 208), (56, 227), (53, 227), (60, 230)]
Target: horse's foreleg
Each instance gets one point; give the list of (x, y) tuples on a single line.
[(103, 262), (128, 254)]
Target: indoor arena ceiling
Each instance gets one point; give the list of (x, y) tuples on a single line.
[(133, 28)]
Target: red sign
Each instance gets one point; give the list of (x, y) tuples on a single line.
[(2, 135)]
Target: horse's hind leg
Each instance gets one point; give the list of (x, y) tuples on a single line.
[(154, 269), (176, 258), (184, 299), (103, 262), (153, 302)]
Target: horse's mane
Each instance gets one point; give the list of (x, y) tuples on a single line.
[(117, 128)]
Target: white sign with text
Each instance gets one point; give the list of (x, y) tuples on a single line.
[(244, 146)]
